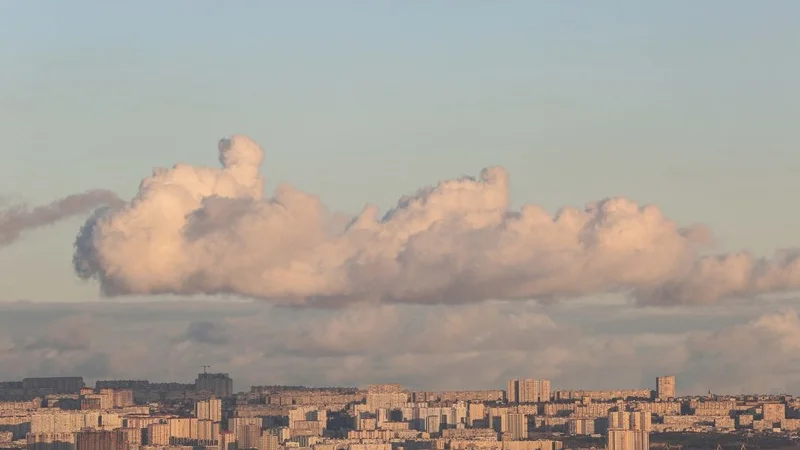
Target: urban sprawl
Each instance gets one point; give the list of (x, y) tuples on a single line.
[(61, 413)]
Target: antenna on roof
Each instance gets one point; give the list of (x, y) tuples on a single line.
[(205, 367)]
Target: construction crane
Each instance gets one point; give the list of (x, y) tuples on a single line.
[(205, 367)]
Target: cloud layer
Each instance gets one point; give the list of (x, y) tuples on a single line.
[(18, 218), (196, 230), (424, 347)]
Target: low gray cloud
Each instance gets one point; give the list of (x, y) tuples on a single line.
[(71, 333), (206, 332), (431, 347)]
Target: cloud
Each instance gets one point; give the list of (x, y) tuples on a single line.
[(196, 230), (63, 347), (206, 332), (414, 345), (423, 347), (18, 218), (71, 333), (758, 356)]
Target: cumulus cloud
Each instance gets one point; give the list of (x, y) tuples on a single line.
[(18, 218), (196, 230)]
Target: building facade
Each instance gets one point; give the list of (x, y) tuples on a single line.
[(665, 387)]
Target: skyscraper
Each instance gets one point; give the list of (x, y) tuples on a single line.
[(628, 440), (512, 392), (628, 430), (517, 426), (210, 409), (100, 440), (665, 387), (219, 384), (528, 391)]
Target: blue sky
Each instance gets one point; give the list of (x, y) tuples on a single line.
[(689, 105)]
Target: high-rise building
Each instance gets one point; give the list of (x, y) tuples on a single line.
[(123, 398), (628, 440), (248, 436), (92, 401), (619, 420), (628, 430), (235, 422), (773, 412), (50, 441), (268, 441), (665, 387), (433, 424), (158, 434), (133, 435), (182, 427), (528, 391), (517, 426), (476, 415), (56, 385), (641, 421), (512, 392), (207, 430), (389, 396), (544, 390), (100, 440), (106, 398), (227, 440), (580, 426), (210, 409), (219, 384), (624, 420)]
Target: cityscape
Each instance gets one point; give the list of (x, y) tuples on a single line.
[(471, 225), (62, 413)]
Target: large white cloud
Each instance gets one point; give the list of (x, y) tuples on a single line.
[(194, 230)]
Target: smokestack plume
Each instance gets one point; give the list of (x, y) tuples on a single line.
[(193, 230), (16, 219)]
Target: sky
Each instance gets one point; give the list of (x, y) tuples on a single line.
[(688, 106)]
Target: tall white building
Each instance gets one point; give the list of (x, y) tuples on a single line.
[(636, 420), (528, 391), (665, 387), (388, 396), (210, 409), (268, 441), (512, 391), (433, 424), (628, 430), (517, 426), (580, 426), (628, 440), (641, 421)]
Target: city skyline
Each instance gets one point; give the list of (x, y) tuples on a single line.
[(516, 390), (63, 413)]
